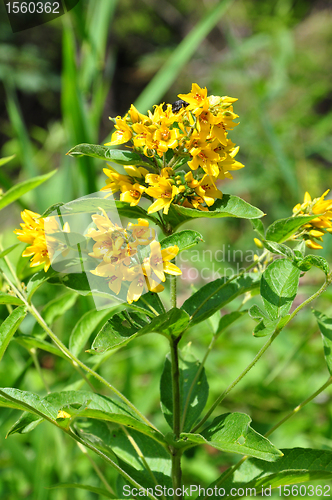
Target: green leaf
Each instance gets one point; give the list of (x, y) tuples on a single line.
[(282, 229), (279, 284), (58, 306), (5, 298), (86, 405), (121, 157), (298, 465), (29, 342), (6, 159), (95, 203), (231, 432), (37, 280), (115, 441), (21, 399), (149, 303), (89, 322), (192, 399), (183, 239), (279, 249), (265, 326), (215, 295), (87, 487), (8, 250), (227, 319), (171, 323), (313, 261), (118, 331), (325, 326), (15, 192), (228, 206), (258, 227), (9, 327)]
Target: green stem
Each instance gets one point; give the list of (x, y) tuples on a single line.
[(176, 453), (76, 363), (198, 373), (79, 440), (261, 352), (300, 406), (226, 283), (96, 468), (276, 426), (173, 289)]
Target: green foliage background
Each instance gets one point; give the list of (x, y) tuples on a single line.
[(59, 84)]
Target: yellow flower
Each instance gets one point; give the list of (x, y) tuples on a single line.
[(115, 180), (165, 192), (207, 159), (131, 193), (317, 227), (197, 99), (112, 273), (32, 231), (122, 134), (166, 139)]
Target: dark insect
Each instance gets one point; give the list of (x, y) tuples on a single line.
[(177, 105)]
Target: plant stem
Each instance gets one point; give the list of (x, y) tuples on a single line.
[(76, 363), (176, 453), (173, 288), (261, 352), (81, 441), (198, 373), (300, 406), (276, 426), (96, 468)]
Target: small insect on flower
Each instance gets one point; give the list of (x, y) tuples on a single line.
[(177, 105)]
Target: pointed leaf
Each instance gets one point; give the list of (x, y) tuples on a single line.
[(122, 157), (9, 327), (258, 227), (5, 298), (8, 250), (215, 295), (81, 404), (118, 331), (228, 206), (6, 159), (114, 441), (313, 260), (279, 284), (325, 326), (30, 342), (24, 400), (298, 465), (282, 229), (93, 489), (15, 192), (192, 398), (90, 321), (279, 249), (231, 432), (227, 319), (183, 239)]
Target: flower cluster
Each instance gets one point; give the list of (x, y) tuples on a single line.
[(130, 257), (314, 231), (193, 130), (33, 232)]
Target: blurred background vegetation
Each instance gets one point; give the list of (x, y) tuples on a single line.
[(60, 82)]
